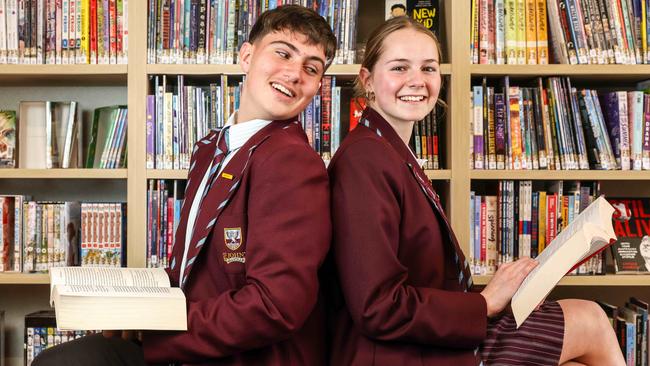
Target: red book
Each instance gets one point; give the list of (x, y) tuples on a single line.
[(357, 105)]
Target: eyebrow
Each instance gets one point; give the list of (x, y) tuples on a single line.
[(407, 60), (296, 50)]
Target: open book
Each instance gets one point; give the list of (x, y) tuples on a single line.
[(116, 298), (586, 235)]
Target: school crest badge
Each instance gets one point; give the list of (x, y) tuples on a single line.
[(232, 237)]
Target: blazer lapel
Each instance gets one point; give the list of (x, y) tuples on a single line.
[(224, 187), (375, 122), (199, 163)]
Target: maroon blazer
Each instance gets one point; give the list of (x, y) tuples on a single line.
[(252, 287), (396, 264)]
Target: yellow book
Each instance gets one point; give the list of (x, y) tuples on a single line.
[(85, 31), (531, 33), (542, 32), (521, 31)]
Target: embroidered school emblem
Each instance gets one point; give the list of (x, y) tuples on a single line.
[(232, 237)]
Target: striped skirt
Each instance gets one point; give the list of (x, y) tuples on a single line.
[(537, 342)]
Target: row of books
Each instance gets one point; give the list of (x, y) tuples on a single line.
[(63, 31), (164, 199), (178, 115), (557, 126), (50, 135), (521, 222), (509, 32), (36, 236), (630, 322), (600, 31), (41, 333), (581, 31), (202, 31)]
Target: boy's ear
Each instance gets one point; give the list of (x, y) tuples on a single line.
[(245, 53)]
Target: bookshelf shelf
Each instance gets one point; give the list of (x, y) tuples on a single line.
[(607, 280), (62, 74), (561, 175), (593, 72), (338, 70), (63, 174), (166, 174), (7, 278)]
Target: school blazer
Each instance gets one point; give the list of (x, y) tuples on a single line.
[(400, 299), (251, 287)]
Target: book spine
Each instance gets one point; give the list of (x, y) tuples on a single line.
[(531, 32), (511, 31), (72, 32), (474, 36), (112, 32), (569, 37), (478, 127), (542, 32), (500, 125), (645, 157), (521, 32), (500, 29), (624, 128), (151, 123)]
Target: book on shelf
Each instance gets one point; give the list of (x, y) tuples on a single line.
[(164, 199), (49, 135), (587, 235), (50, 32), (7, 139), (559, 127), (424, 11), (116, 298), (214, 32), (107, 148), (36, 236), (631, 251), (41, 333), (580, 32)]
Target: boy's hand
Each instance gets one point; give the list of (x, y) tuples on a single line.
[(505, 283)]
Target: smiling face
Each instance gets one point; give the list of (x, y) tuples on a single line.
[(406, 77), (283, 73)]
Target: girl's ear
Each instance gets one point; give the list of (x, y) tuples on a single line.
[(245, 55), (365, 78)]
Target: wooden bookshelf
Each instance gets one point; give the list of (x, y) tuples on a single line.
[(599, 281), (63, 173), (627, 73), (628, 175), (63, 74), (7, 278)]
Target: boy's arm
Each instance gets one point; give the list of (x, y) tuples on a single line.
[(288, 236)]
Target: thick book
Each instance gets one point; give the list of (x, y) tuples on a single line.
[(587, 235), (116, 298)]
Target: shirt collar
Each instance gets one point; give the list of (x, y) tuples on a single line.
[(241, 132)]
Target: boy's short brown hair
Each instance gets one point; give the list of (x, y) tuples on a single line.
[(296, 18)]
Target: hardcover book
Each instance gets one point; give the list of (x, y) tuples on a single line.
[(631, 222)]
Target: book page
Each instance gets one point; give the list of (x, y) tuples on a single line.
[(119, 291), (107, 276)]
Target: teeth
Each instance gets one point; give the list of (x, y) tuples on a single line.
[(410, 98), (282, 89)]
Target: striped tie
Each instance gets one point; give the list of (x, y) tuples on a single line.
[(464, 277), (219, 154)]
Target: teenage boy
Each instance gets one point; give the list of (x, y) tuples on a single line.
[(255, 223)]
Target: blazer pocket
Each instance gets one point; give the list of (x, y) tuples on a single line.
[(229, 239)]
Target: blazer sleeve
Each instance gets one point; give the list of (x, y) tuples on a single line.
[(289, 233), (366, 220)]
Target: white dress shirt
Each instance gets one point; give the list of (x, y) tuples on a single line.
[(238, 135)]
